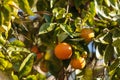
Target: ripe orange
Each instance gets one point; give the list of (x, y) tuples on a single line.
[(87, 34), (43, 66), (63, 51), (78, 63), (34, 49)]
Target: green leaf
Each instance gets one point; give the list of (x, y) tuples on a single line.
[(108, 37), (32, 3), (14, 77), (87, 74), (77, 23), (2, 39), (113, 67), (116, 33), (108, 54), (104, 38), (114, 4), (7, 13), (100, 10), (54, 66), (107, 2), (62, 36), (117, 50), (77, 3), (24, 5), (1, 22), (92, 9), (1, 18), (46, 27), (67, 28), (59, 13), (7, 16), (118, 72), (47, 18), (1, 55), (99, 52), (26, 65), (40, 76), (116, 43), (77, 47), (17, 43), (14, 50), (4, 64), (31, 77)]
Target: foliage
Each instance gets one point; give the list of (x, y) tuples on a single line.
[(45, 24)]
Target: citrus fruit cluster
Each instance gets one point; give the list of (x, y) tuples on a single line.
[(63, 51)]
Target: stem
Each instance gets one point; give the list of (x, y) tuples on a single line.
[(66, 20), (68, 6), (61, 75), (52, 19), (67, 10)]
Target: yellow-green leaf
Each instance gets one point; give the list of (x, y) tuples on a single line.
[(14, 77), (108, 54), (46, 27), (31, 77), (17, 43), (1, 18), (24, 5), (26, 65)]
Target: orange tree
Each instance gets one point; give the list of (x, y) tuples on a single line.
[(41, 38)]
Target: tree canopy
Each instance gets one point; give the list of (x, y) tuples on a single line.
[(30, 31)]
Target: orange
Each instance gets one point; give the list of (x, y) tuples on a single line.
[(43, 66), (78, 63), (34, 49), (63, 51), (87, 34), (39, 55)]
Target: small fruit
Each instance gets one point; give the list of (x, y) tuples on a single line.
[(87, 34), (39, 55), (43, 66), (78, 63), (34, 49), (63, 51)]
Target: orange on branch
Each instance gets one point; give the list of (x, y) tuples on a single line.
[(63, 51), (34, 49), (87, 34), (39, 55), (78, 63)]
